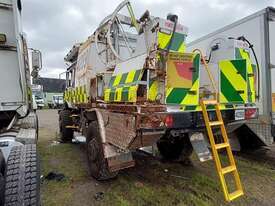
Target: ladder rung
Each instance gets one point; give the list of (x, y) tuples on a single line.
[(71, 127), (235, 194), (228, 169), (218, 146), (210, 102), (221, 145), (215, 123)]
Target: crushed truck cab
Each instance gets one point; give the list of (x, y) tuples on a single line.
[(132, 85)]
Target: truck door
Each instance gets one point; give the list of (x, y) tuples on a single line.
[(10, 82), (182, 83)]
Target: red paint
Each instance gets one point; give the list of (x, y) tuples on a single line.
[(184, 69)]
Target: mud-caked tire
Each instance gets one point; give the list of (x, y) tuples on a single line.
[(22, 186), (175, 148), (65, 119), (98, 165)]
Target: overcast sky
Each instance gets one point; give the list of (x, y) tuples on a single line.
[(53, 26)]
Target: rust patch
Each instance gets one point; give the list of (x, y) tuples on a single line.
[(146, 139), (151, 120), (120, 128)]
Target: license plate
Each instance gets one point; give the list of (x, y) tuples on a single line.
[(240, 114)]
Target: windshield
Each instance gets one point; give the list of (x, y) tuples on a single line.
[(57, 97), (38, 98)]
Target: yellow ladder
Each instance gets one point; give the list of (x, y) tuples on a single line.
[(225, 145)]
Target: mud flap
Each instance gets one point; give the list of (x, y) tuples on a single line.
[(262, 130), (117, 160), (200, 146), (234, 142)]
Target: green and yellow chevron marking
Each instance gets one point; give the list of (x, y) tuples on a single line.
[(178, 43), (251, 71), (153, 90), (233, 82), (123, 87), (126, 78), (186, 96), (76, 95), (121, 94)]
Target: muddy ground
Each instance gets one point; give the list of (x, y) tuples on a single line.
[(151, 182)]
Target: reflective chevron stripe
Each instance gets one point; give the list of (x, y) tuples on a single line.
[(121, 94), (123, 87), (251, 71), (127, 78), (190, 94), (178, 43), (76, 95), (233, 84), (153, 90)]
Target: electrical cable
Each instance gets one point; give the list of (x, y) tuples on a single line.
[(257, 63)]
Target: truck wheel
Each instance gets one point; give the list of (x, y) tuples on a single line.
[(2, 189), (65, 119), (2, 163), (2, 180), (22, 185), (175, 148), (97, 162)]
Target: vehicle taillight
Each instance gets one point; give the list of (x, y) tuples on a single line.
[(169, 121), (250, 113)]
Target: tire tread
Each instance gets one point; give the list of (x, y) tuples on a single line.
[(22, 177)]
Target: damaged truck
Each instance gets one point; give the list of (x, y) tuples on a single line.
[(132, 85)]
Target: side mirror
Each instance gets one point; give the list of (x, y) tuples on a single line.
[(36, 60), (36, 63)]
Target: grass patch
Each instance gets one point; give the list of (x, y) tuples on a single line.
[(61, 158), (147, 184)]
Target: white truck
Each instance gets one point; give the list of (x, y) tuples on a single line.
[(37, 92), (258, 31), (19, 166)]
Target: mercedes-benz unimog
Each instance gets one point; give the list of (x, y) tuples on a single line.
[(19, 166), (132, 85)]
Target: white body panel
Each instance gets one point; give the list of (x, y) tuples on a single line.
[(13, 86), (254, 29)]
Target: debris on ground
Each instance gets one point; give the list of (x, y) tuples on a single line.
[(79, 139), (55, 176), (99, 196), (54, 143), (177, 176)]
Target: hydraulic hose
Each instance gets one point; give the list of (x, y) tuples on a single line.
[(173, 33)]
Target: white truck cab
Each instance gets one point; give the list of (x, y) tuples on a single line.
[(18, 121)]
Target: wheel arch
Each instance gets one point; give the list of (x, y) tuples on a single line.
[(96, 115)]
